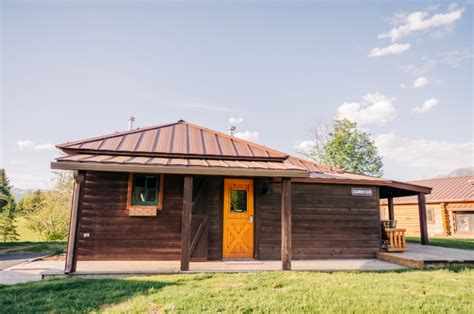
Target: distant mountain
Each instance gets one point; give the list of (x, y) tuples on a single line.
[(18, 193), (460, 172)]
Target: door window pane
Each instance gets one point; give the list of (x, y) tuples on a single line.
[(238, 201)]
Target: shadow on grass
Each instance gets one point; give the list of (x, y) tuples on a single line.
[(73, 294)]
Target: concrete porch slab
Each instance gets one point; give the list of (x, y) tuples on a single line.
[(426, 256), (53, 269)]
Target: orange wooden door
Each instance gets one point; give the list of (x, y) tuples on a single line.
[(238, 218)]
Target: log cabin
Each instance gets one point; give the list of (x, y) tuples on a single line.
[(184, 192), (449, 208)]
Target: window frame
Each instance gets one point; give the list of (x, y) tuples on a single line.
[(158, 206), (433, 219)]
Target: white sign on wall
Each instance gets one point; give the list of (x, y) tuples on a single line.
[(361, 191)]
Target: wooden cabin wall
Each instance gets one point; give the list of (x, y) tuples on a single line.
[(114, 235), (215, 200), (407, 217), (327, 222)]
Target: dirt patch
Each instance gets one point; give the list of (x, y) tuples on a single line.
[(59, 257), (154, 309), (121, 307)]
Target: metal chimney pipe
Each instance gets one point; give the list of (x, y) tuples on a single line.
[(130, 123), (231, 129)]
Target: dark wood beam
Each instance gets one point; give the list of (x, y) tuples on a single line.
[(71, 255), (423, 222), (391, 213), (286, 224), (186, 222)]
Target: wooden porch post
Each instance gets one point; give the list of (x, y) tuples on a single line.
[(422, 215), (71, 255), (391, 213), (286, 224), (186, 222)]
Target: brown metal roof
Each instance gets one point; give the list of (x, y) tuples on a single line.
[(179, 165), (180, 139), (183, 147), (187, 162), (444, 189)]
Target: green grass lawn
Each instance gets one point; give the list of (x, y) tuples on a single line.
[(29, 241), (55, 247), (438, 291), (26, 234), (457, 243)]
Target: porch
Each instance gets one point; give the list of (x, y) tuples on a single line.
[(45, 269)]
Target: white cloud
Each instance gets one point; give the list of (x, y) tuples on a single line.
[(453, 59), (235, 121), (248, 135), (25, 144), (419, 21), (426, 106), (41, 147), (393, 49), (419, 82), (304, 146), (374, 108), (422, 153)]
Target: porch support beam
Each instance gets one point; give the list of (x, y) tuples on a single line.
[(391, 213), (423, 222), (71, 255), (186, 222), (286, 224)]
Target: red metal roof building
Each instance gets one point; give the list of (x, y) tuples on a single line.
[(450, 207)]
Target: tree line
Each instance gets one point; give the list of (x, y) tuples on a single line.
[(46, 212)]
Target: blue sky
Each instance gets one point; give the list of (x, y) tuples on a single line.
[(71, 70)]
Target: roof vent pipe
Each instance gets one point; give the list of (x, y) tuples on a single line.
[(130, 123), (231, 129)]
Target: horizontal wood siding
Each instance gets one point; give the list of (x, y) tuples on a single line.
[(215, 190), (407, 217), (327, 222), (114, 235)]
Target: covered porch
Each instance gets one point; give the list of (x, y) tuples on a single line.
[(396, 236)]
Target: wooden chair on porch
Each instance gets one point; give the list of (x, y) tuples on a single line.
[(393, 238)]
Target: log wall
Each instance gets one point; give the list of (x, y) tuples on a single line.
[(407, 217), (327, 222), (114, 235)]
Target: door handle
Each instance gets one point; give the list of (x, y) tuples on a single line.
[(251, 219)]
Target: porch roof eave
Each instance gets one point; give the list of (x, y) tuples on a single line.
[(179, 169)]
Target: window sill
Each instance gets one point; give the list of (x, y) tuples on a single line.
[(142, 211)]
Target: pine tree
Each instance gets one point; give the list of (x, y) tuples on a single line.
[(5, 190), (7, 223)]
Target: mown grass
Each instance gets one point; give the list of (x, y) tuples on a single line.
[(457, 243), (55, 247), (441, 290), (25, 233)]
